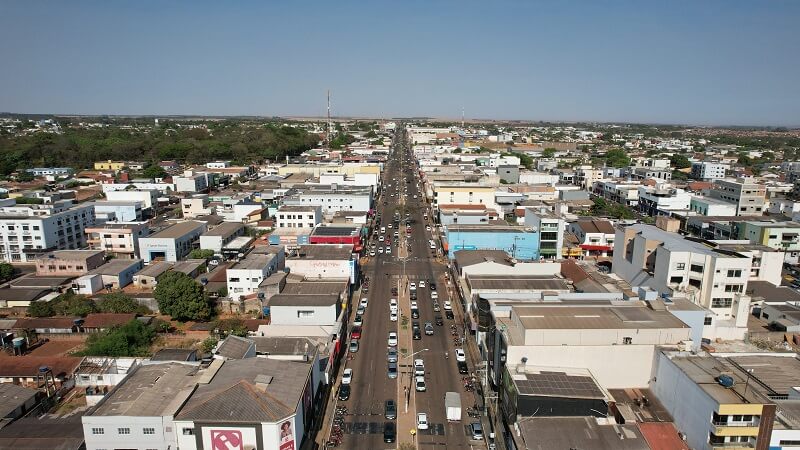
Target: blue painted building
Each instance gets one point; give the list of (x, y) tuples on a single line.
[(521, 243)]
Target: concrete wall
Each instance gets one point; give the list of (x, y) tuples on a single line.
[(111, 438), (288, 315), (319, 268)]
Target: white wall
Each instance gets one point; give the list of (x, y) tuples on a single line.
[(288, 315), (319, 268), (136, 439)]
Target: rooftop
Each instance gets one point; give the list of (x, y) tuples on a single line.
[(71, 255), (550, 382), (304, 300), (249, 390), (335, 230), (154, 269), (314, 288), (253, 261), (466, 258), (234, 347), (115, 266), (518, 282), (28, 366), (637, 316), (487, 228), (173, 354), (547, 433), (595, 226), (151, 390), (178, 230), (286, 345), (12, 396), (224, 229), (323, 251), (63, 433), (704, 370)]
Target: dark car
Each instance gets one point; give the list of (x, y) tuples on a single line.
[(415, 313), (449, 314), (413, 295), (394, 290), (344, 392), (462, 367), (389, 432), (416, 334), (439, 320), (432, 286), (390, 410)]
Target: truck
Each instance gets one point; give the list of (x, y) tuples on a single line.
[(452, 406)]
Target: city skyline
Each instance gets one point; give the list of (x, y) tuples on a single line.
[(710, 64)]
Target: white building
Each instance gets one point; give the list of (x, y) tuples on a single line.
[(708, 171), (24, 235), (223, 234), (298, 216), (707, 206), (191, 182), (141, 185), (662, 199), (173, 243), (238, 208), (245, 276), (196, 206), (148, 198), (465, 194), (331, 198), (321, 261)]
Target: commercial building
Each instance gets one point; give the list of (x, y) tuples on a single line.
[(711, 403), (120, 240), (300, 216), (711, 277), (466, 214), (338, 234), (172, 243), (222, 236), (449, 194), (519, 242), (707, 206), (115, 166), (548, 228), (331, 198), (595, 237), (749, 196), (118, 211), (25, 233), (625, 193), (195, 206), (323, 261), (309, 303), (148, 198), (191, 182), (245, 277), (708, 171), (783, 236), (257, 402), (69, 263), (139, 411), (661, 200)]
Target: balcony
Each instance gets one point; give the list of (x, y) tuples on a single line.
[(733, 446), (735, 428)]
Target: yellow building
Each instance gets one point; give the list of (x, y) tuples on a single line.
[(115, 166)]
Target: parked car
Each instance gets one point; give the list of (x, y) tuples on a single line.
[(389, 432), (347, 376), (392, 340), (390, 409), (460, 356), (476, 429), (462, 367), (391, 371), (344, 392), (391, 354), (355, 333), (419, 384), (439, 320), (353, 346), (422, 421)]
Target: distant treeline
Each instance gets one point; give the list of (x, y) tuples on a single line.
[(243, 142)]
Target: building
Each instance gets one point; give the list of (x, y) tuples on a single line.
[(595, 237), (518, 241), (173, 243), (191, 182), (195, 206), (616, 341), (509, 174), (238, 208), (139, 411), (120, 240), (309, 303), (450, 194), (147, 278), (25, 370), (221, 236), (245, 277), (466, 215), (26, 233), (16, 401), (645, 173), (115, 274), (661, 200), (338, 234), (626, 193), (781, 236), (321, 261), (258, 402), (712, 277), (69, 263), (749, 196), (299, 216), (713, 408), (119, 211), (114, 166), (148, 198), (50, 171), (707, 206), (331, 198), (548, 229), (708, 171)]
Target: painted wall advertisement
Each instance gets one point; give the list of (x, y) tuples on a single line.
[(229, 438), (287, 436)]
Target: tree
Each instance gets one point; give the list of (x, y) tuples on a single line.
[(234, 326), (679, 161), (25, 177), (72, 304), (131, 339), (371, 134), (208, 344), (549, 153), (154, 171), (120, 303), (6, 271), (617, 158), (199, 253), (182, 298), (40, 309)]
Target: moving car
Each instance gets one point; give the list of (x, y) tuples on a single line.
[(347, 376), (447, 305), (419, 384), (428, 328), (434, 295), (460, 356), (390, 410), (432, 286), (412, 286), (449, 314), (439, 320), (462, 367), (389, 432), (421, 283)]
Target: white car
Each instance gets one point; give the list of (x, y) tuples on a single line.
[(365, 301), (460, 356), (372, 253), (392, 339), (419, 367), (412, 286), (347, 376), (434, 295), (419, 384), (447, 306), (393, 305), (380, 250), (413, 305), (358, 321), (381, 238), (388, 249), (422, 421), (427, 228), (393, 316), (422, 283), (389, 226)]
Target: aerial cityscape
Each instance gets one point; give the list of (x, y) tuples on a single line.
[(416, 226)]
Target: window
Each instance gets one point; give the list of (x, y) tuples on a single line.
[(148, 431), (98, 431), (734, 273), (734, 288), (188, 431), (233, 280), (696, 268), (123, 431), (680, 266), (305, 314), (676, 280), (721, 302), (707, 321)]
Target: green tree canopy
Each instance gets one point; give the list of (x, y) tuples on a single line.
[(154, 171), (199, 253), (232, 325), (6, 271), (182, 298), (617, 158), (679, 161), (131, 339), (549, 152), (120, 303)]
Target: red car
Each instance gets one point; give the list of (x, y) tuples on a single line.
[(356, 333)]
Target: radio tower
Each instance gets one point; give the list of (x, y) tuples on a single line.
[(329, 119), (462, 117)]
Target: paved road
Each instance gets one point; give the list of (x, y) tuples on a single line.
[(371, 385)]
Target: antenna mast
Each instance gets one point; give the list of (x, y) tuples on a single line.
[(329, 119), (462, 117)]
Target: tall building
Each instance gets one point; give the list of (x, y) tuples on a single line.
[(749, 196), (25, 233)]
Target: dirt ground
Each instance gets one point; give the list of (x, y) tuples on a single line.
[(58, 347)]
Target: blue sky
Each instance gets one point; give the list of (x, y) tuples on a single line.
[(708, 62)]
